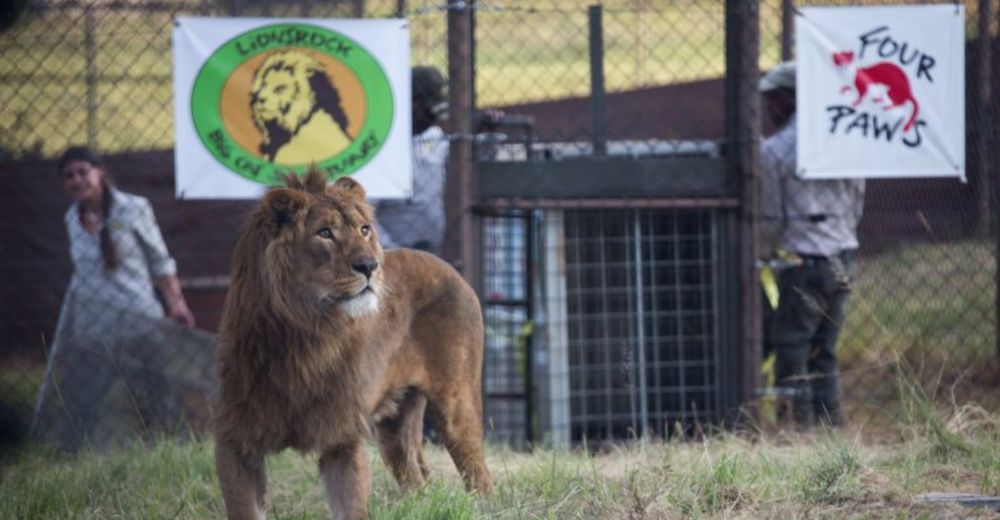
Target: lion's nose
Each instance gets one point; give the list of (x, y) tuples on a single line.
[(365, 266)]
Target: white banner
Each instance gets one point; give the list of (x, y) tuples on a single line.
[(881, 91), (255, 98)]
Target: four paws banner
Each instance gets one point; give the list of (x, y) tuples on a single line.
[(881, 91)]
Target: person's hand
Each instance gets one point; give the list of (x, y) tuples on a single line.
[(489, 119), (178, 311)]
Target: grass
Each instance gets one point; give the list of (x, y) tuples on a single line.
[(912, 378), (818, 475), (858, 472)]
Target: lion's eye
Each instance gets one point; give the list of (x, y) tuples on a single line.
[(366, 230), (325, 233)]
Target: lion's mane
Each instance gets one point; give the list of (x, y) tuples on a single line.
[(268, 341)]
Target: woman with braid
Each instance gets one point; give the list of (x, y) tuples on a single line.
[(111, 314)]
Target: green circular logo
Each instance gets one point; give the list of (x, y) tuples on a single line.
[(285, 97)]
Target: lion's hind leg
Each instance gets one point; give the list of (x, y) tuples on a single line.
[(400, 440)]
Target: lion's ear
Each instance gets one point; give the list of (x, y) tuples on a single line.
[(351, 187), (284, 206), (312, 180)]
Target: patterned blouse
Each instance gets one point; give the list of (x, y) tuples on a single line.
[(97, 298)]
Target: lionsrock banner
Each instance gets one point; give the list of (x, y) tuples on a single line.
[(256, 98), (881, 91)]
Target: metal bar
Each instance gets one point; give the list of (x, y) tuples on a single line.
[(629, 347), (706, 256), (507, 395), (607, 178), (718, 283), (640, 319), (655, 311), (608, 375), (529, 343), (62, 79), (787, 28), (461, 242), (556, 304), (995, 160), (505, 303), (90, 55), (584, 383), (124, 5), (358, 8), (984, 93), (727, 203), (679, 298), (742, 137), (597, 97)]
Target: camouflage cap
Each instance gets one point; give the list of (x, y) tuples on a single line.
[(781, 76), (427, 84)]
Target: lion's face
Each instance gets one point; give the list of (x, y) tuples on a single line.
[(325, 253)]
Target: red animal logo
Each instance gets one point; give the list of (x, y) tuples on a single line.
[(889, 75)]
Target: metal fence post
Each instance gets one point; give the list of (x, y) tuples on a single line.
[(994, 162), (787, 28), (460, 185), (742, 141), (597, 112), (984, 89), (90, 56)]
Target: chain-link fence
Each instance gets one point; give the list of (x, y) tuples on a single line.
[(613, 225), (621, 170), (923, 300), (633, 321), (94, 360)]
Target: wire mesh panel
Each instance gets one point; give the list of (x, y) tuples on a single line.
[(641, 319), (509, 327)]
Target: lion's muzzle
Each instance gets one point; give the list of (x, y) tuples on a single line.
[(365, 266)]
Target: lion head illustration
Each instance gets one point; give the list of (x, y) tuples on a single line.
[(297, 109)]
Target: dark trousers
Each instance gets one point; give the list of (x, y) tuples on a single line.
[(804, 330)]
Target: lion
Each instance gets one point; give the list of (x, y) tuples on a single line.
[(326, 339), (297, 109)]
